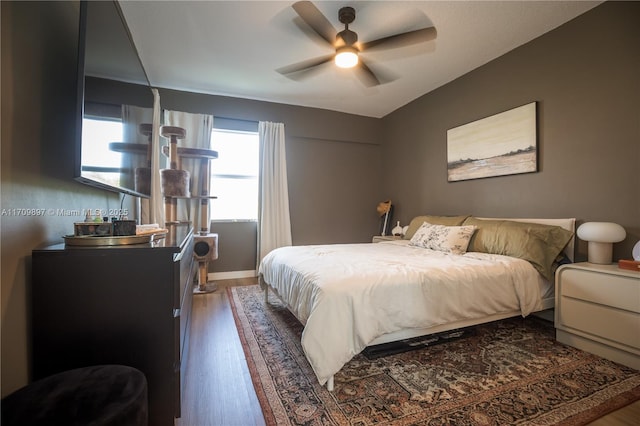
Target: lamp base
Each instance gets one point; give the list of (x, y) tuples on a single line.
[(600, 253)]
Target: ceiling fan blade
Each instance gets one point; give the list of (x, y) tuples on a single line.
[(316, 20), (305, 65), (366, 76), (402, 39)]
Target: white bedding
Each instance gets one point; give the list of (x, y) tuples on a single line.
[(347, 295)]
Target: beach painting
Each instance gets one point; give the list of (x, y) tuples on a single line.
[(502, 144)]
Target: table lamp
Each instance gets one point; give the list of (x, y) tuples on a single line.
[(601, 236)]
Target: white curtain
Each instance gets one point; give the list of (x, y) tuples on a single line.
[(198, 128), (274, 224), (156, 202)]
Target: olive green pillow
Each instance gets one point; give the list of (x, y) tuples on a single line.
[(539, 244), (417, 222)]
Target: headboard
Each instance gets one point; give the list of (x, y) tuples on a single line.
[(568, 224)]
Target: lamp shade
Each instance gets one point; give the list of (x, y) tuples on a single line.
[(601, 232), (346, 57), (600, 236)]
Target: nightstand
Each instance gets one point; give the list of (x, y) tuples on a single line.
[(598, 310), (380, 238)]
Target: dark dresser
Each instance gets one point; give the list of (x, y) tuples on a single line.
[(128, 305)]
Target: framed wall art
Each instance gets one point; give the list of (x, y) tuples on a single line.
[(502, 144)]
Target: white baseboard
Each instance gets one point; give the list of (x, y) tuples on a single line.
[(212, 276)]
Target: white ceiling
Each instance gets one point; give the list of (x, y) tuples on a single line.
[(233, 48)]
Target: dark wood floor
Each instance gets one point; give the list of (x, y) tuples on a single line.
[(219, 391)]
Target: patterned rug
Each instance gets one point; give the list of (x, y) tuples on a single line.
[(509, 372)]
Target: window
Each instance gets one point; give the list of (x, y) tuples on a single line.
[(98, 160), (234, 177), (101, 131)]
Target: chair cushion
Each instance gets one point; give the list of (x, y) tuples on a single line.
[(95, 396)]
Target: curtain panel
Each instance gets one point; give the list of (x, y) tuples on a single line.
[(274, 224)]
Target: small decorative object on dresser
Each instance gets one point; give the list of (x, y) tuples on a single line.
[(632, 265), (598, 310), (636, 251), (397, 230), (601, 236)]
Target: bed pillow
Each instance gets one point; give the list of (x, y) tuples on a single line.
[(434, 220), (448, 239), (539, 244)]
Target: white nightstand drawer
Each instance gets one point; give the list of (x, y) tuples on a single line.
[(616, 325), (605, 289), (598, 310)]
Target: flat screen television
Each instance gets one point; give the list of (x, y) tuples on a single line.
[(115, 104)]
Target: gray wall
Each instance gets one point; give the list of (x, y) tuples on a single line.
[(39, 45), (585, 76)]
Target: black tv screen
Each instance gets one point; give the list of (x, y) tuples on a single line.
[(115, 104)]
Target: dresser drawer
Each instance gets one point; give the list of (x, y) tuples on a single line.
[(186, 271), (606, 289), (185, 309), (612, 324)]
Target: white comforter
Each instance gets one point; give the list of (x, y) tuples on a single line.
[(347, 295)]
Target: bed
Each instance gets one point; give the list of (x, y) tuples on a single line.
[(350, 296)]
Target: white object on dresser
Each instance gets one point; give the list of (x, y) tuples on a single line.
[(379, 238), (598, 310), (636, 251), (601, 236)]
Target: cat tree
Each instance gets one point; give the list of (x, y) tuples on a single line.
[(175, 186)]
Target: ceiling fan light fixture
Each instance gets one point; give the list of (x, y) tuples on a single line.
[(346, 57)]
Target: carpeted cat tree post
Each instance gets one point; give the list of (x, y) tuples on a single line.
[(206, 243), (174, 181)]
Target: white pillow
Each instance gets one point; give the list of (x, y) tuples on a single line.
[(448, 239)]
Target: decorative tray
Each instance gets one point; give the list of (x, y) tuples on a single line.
[(109, 240)]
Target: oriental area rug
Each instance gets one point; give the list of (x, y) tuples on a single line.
[(510, 372)]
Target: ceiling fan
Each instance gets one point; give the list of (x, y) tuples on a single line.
[(346, 45)]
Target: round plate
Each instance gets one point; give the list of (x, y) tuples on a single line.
[(636, 251), (96, 240)]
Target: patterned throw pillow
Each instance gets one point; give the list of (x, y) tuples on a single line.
[(448, 239)]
